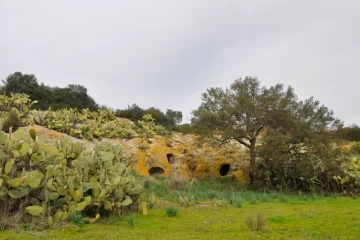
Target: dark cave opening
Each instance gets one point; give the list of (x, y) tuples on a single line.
[(170, 158), (156, 170), (224, 169)]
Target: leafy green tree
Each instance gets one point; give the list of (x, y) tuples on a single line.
[(72, 96), (241, 112), (174, 117)]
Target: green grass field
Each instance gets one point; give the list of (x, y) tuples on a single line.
[(296, 218)]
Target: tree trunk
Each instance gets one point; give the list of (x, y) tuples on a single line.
[(252, 172)]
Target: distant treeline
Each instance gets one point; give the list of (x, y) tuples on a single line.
[(76, 96), (72, 96)]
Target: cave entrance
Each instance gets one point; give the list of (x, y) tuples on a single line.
[(170, 158), (156, 170), (224, 169)]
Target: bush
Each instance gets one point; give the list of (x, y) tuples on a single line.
[(11, 121), (171, 211), (257, 224), (356, 147)]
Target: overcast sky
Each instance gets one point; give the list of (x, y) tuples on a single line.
[(166, 53)]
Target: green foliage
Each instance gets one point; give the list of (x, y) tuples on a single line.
[(220, 202), (350, 133), (161, 190), (237, 201), (172, 211), (57, 181), (72, 96), (356, 147), (76, 218), (185, 201), (276, 219), (170, 120), (12, 121), (130, 219)]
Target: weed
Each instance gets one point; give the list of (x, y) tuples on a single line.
[(220, 202), (257, 224), (148, 184), (185, 200), (76, 218), (252, 199), (161, 190), (265, 197), (172, 211), (237, 201), (26, 226), (131, 220), (159, 177), (284, 198)]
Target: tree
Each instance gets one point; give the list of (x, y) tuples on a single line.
[(20, 83), (303, 155), (174, 117), (241, 112)]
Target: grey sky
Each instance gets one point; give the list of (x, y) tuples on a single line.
[(166, 53)]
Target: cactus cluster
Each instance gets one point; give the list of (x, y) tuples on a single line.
[(82, 124), (54, 181)]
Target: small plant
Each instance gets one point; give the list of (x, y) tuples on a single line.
[(237, 201), (283, 198), (148, 184), (159, 177), (152, 200), (171, 211), (26, 226), (252, 200), (220, 202), (131, 220), (161, 190), (76, 218), (185, 200), (11, 121), (265, 197), (257, 224)]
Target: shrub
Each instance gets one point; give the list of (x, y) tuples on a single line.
[(356, 147), (171, 211), (11, 121), (257, 224)]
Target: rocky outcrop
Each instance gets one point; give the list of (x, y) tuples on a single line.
[(175, 156)]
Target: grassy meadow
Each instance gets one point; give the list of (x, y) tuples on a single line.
[(216, 210)]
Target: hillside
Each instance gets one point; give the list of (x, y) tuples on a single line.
[(177, 155)]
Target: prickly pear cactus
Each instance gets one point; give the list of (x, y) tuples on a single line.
[(55, 181)]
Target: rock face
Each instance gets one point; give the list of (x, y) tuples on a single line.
[(175, 156)]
